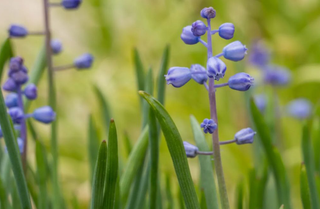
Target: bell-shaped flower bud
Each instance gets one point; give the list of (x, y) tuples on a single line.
[(31, 91), (84, 61), (261, 102), (198, 28), (71, 4), (240, 81), (56, 46), (276, 75), (17, 31), (16, 114), (234, 51), (199, 73), (16, 63), (188, 37), (191, 150), (10, 85), (44, 114), (226, 30), (216, 68), (208, 13), (209, 126), (244, 136), (178, 76), (20, 77), (11, 100), (300, 108)]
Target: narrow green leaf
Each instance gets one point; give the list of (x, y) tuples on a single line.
[(15, 196), (42, 175), (308, 159), (135, 160), (142, 192), (75, 203), (32, 183), (127, 143), (112, 167), (148, 89), (162, 72), (273, 156), (118, 204), (99, 178), (93, 145), (177, 152), (180, 198), (304, 188), (14, 155), (104, 106), (6, 53), (203, 201), (169, 195), (239, 195), (139, 69), (206, 170), (3, 196), (32, 130)]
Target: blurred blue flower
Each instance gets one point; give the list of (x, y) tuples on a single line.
[(16, 114), (240, 81), (11, 100), (299, 108), (216, 68), (16, 63), (44, 114), (261, 102), (84, 61), (226, 30), (198, 28), (71, 4), (276, 75), (19, 77), (20, 144), (56, 46), (31, 91), (208, 13), (244, 136), (191, 150), (259, 55), (199, 73), (10, 85), (208, 125), (188, 37), (178, 76), (234, 51), (1, 134), (17, 31)]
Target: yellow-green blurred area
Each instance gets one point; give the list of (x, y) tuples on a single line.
[(110, 29)]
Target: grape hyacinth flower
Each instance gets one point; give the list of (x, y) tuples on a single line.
[(31, 91), (10, 85), (1, 134), (17, 31), (44, 114), (84, 61), (56, 46), (244, 136), (299, 108), (71, 4), (276, 75), (11, 100), (234, 51), (16, 114), (261, 102), (259, 55), (178, 76), (208, 13), (209, 126), (198, 28), (226, 31), (188, 37), (199, 73), (216, 68), (240, 81), (191, 150)]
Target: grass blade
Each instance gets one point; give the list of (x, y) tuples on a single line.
[(139, 69), (99, 177), (93, 145), (169, 195), (104, 106), (162, 72), (6, 53), (304, 188), (3, 196), (177, 152), (148, 89), (127, 144), (42, 165), (112, 167), (143, 188), (239, 195), (206, 170)]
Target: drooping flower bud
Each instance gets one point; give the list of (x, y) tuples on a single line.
[(299, 108), (261, 102), (216, 68), (31, 91), (198, 28), (10, 85), (234, 51), (20, 77), (244, 136), (16, 63), (199, 73), (84, 61), (178, 76), (17, 31), (11, 100), (44, 114), (16, 114), (56, 46), (191, 150), (208, 125), (240, 81), (71, 4), (208, 13), (276, 75), (226, 30), (188, 37)]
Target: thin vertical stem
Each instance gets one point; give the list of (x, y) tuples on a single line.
[(215, 135), (23, 130)]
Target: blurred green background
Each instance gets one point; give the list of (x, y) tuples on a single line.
[(110, 29)]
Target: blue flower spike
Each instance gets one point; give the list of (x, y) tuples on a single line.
[(178, 76), (244, 136), (71, 4), (199, 73), (208, 13), (17, 31), (11, 100), (188, 37), (216, 68), (234, 51), (241, 81), (84, 61), (16, 114), (31, 91), (44, 114), (198, 28), (300, 108), (191, 150), (209, 126), (56, 46), (226, 31)]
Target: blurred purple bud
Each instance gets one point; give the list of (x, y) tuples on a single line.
[(11, 100), (276, 75), (226, 30), (84, 61), (216, 68), (20, 144), (299, 108), (191, 150), (56, 46), (17, 31), (20, 77), (71, 4), (199, 73), (16, 114), (208, 13), (10, 85), (178, 76), (240, 81), (31, 91), (259, 55), (261, 102), (44, 114), (16, 63), (244, 136), (208, 125), (188, 37), (234, 51), (198, 28), (1, 134)]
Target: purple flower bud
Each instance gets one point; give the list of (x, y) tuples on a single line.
[(16, 63), (234, 51), (11, 100), (56, 46), (20, 77), (299, 108), (259, 55), (31, 91), (226, 30), (191, 150), (1, 134), (208, 125), (178, 76), (10, 85), (216, 68), (44, 114), (84, 61), (188, 37), (261, 102), (199, 73), (208, 13), (240, 81), (244, 136), (17, 31), (20, 144), (16, 114), (198, 28), (276, 75), (71, 4)]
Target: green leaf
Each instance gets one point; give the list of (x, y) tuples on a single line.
[(42, 175), (177, 152), (239, 195), (127, 143), (32, 184), (273, 156), (162, 72), (169, 204), (304, 188), (3, 196), (308, 159), (148, 89), (99, 178), (104, 106), (139, 69), (6, 53), (14, 155), (93, 145), (143, 188), (112, 167), (206, 170)]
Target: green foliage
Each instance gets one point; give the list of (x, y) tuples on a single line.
[(6, 52)]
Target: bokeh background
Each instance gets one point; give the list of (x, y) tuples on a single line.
[(110, 29)]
